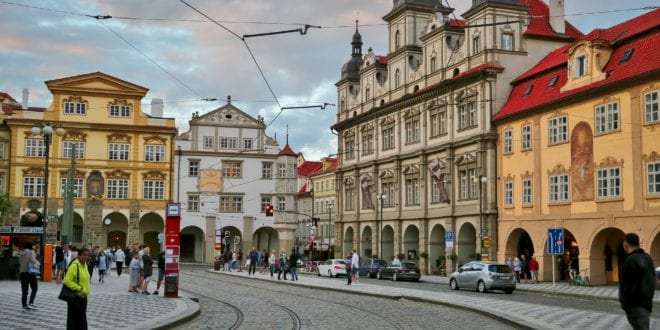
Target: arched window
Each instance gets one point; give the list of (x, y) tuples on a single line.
[(397, 78), (397, 39)]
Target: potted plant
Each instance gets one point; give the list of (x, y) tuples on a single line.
[(401, 256), (439, 261)]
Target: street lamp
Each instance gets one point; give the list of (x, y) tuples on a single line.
[(481, 179), (107, 222), (330, 207), (47, 131), (381, 197)]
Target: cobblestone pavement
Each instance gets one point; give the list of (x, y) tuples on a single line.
[(110, 306), (230, 302), (535, 312)]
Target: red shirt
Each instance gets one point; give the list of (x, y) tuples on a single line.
[(533, 265)]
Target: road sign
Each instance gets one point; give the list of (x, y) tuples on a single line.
[(449, 236), (53, 217), (555, 240), (237, 240)]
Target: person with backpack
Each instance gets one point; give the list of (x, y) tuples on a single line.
[(293, 265), (161, 271), (60, 263), (78, 279), (253, 259), (272, 260), (283, 268), (91, 263), (102, 266), (28, 266)]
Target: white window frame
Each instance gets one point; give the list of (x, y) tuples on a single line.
[(438, 123), (78, 187), (232, 169), (248, 143), (653, 178), (558, 130), (508, 141), (193, 203), (526, 137), (388, 138), (508, 193), (119, 151), (35, 148), (433, 65), (228, 143), (75, 108), (193, 168), (580, 66), (121, 111), (412, 130), (117, 189), (153, 189), (349, 153), (281, 203), (367, 143), (207, 142), (154, 153), (265, 200), (507, 41), (267, 170), (67, 147), (281, 171), (652, 107), (607, 117), (609, 182), (412, 191), (559, 185), (467, 114), (476, 45), (527, 192), (34, 186), (230, 204)]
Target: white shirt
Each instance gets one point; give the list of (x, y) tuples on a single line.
[(355, 260), (119, 256)]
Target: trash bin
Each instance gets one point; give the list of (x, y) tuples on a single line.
[(216, 264), (171, 285)]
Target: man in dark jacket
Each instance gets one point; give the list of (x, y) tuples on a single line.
[(253, 256), (637, 283), (147, 270)]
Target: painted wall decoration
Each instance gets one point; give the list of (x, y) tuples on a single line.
[(582, 163)]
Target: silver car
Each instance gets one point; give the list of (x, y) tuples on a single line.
[(483, 276)]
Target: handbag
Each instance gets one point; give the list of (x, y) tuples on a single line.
[(33, 268), (67, 294)]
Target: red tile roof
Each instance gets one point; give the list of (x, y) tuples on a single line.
[(303, 189), (7, 97), (539, 24), (381, 59), (287, 151), (456, 22), (309, 168), (644, 60)]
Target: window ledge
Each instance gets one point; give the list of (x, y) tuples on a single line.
[(651, 123), (466, 128), (509, 207), (507, 153), (609, 199), (527, 206), (652, 196), (607, 132), (557, 143), (559, 203)]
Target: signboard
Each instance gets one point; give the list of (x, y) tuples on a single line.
[(173, 209), (486, 242), (52, 217), (5, 230), (556, 241), (28, 230), (172, 250), (237, 240), (449, 239)]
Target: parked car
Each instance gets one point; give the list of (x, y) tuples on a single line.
[(483, 276), (404, 271), (369, 267), (332, 268)]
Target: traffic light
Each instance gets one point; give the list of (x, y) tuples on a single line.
[(269, 210)]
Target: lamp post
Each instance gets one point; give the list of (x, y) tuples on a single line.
[(47, 131), (481, 179), (330, 207), (107, 222), (381, 197)]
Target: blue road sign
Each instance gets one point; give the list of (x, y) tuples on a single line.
[(555, 240), (449, 236)]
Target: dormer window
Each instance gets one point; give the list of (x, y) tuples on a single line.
[(553, 81), (529, 90), (580, 66), (627, 55)]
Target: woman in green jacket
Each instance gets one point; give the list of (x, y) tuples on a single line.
[(77, 279)]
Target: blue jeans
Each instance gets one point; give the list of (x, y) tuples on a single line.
[(294, 273)]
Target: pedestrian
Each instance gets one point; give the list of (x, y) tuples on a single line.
[(517, 267), (119, 260), (283, 268), (253, 259), (77, 278), (272, 260), (396, 261), (161, 271), (234, 259), (574, 268), (60, 264), (347, 263), (67, 258), (534, 269), (637, 283), (28, 266), (226, 258), (293, 265), (109, 261), (355, 264), (239, 259), (509, 262), (524, 267), (147, 270), (102, 266), (91, 263), (135, 266)]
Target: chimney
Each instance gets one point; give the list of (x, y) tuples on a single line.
[(557, 22), (26, 95), (157, 108)]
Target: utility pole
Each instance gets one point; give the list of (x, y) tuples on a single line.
[(67, 221)]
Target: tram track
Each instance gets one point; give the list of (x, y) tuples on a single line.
[(239, 314), (387, 318)]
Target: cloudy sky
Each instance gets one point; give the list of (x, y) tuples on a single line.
[(204, 61)]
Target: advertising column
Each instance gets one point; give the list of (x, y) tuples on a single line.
[(172, 239)]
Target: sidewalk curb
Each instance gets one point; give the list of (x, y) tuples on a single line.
[(497, 315), (191, 312)]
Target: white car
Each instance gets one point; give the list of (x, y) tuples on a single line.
[(332, 267)]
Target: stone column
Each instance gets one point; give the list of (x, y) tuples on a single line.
[(246, 243), (133, 235), (92, 225), (209, 240)]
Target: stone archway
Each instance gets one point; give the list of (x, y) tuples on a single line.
[(266, 238), (115, 234), (151, 224), (367, 249), (411, 243), (518, 243), (348, 241), (76, 238), (192, 244), (388, 243), (466, 244), (654, 250), (437, 247), (606, 256)]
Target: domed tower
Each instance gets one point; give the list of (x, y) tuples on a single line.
[(348, 86)]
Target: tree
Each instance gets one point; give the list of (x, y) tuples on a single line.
[(5, 205)]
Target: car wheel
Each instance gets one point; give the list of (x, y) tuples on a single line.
[(508, 291), (394, 278), (452, 284), (330, 273), (481, 287), (380, 277)]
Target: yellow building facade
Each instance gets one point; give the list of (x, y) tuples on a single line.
[(123, 162), (324, 198), (579, 149)]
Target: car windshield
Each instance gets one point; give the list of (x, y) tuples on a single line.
[(337, 262), (502, 269), (408, 265)]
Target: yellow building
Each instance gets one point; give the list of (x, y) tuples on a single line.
[(123, 162), (324, 199), (579, 148)]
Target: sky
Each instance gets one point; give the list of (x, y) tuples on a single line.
[(182, 58)]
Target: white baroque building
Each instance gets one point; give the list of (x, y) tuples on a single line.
[(226, 170), (414, 126)]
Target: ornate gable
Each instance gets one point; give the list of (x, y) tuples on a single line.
[(228, 115), (95, 83), (118, 174)]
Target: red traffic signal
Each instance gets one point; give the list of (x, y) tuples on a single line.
[(269, 210)]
